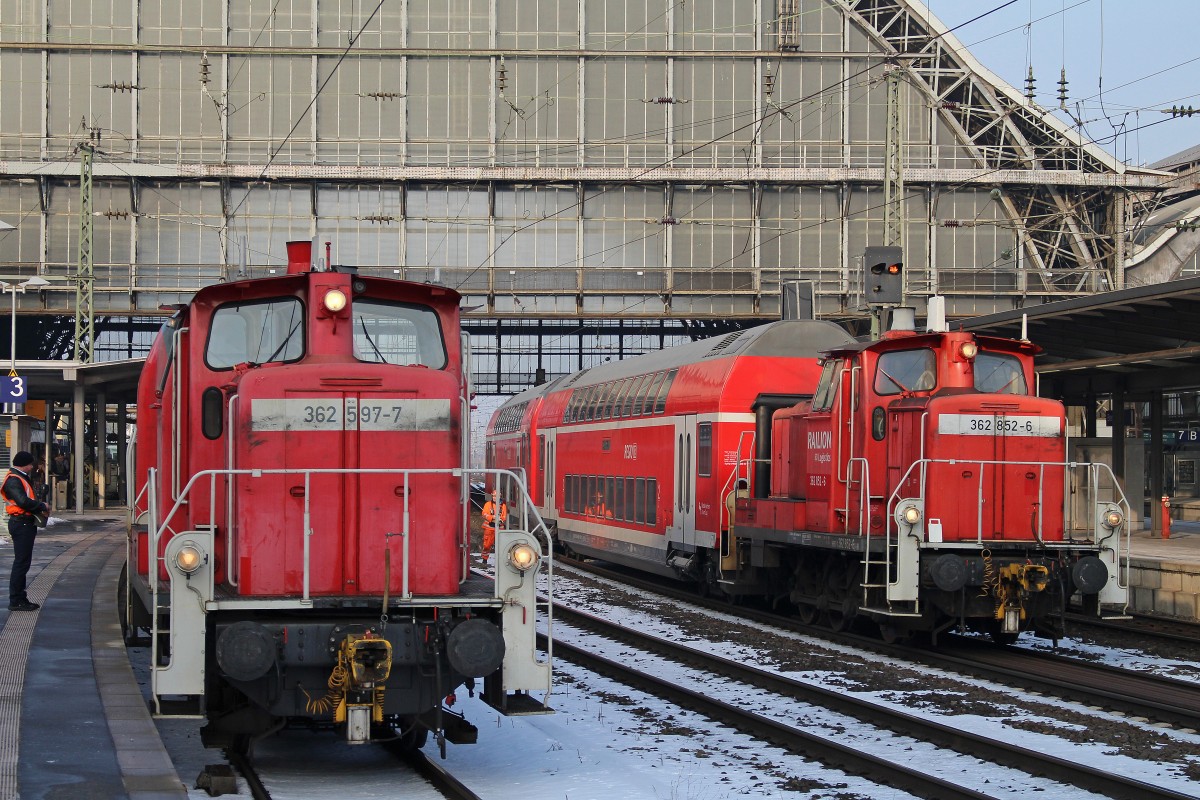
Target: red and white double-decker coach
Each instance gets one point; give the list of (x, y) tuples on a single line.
[(632, 460)]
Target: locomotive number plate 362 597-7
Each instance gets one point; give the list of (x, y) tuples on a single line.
[(350, 413)]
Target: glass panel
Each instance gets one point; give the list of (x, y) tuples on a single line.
[(906, 371), (704, 449), (260, 332), (639, 502), (660, 405), (827, 385), (400, 333), (999, 373), (21, 133), (652, 501)]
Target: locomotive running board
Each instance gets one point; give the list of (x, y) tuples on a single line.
[(887, 612)]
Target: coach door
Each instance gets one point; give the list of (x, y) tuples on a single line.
[(685, 482), (546, 466)]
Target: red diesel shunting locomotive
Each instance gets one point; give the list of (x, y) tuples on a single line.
[(915, 481), (301, 523)]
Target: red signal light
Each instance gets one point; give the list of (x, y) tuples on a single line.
[(893, 269)]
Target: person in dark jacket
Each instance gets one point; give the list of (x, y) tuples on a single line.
[(21, 507)]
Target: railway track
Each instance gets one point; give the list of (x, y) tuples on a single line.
[(816, 745), (439, 780), (1133, 693), (1166, 630)]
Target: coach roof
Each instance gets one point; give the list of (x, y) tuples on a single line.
[(785, 338)]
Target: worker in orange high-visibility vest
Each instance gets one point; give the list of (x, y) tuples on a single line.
[(495, 511), (23, 509)]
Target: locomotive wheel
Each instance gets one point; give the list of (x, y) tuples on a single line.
[(836, 619), (891, 634), (408, 737), (807, 613)]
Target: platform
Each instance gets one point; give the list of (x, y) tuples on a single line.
[(1165, 573), (73, 721)]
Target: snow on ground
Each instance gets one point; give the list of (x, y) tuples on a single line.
[(1018, 712), (1124, 658), (607, 742)]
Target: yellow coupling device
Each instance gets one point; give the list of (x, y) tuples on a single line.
[(1014, 582), (366, 662), (369, 659)]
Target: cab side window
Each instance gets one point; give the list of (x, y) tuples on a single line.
[(906, 371), (827, 385)]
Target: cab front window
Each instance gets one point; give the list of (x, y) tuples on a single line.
[(902, 371), (257, 332), (999, 373), (397, 333)]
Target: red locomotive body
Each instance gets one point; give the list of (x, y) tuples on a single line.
[(301, 491), (918, 482)]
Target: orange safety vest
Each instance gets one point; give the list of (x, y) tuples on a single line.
[(489, 513), (11, 508)]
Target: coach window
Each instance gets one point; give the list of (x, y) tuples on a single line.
[(649, 392), (639, 502), (906, 371), (618, 499), (999, 373), (660, 404), (261, 332), (387, 332), (595, 396), (704, 449), (651, 501)]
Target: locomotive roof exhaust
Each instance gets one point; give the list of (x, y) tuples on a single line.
[(303, 256), (299, 257)]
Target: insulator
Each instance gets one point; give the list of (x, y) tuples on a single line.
[(950, 223), (669, 221), (1062, 89), (1030, 83), (501, 76), (204, 69), (768, 81)]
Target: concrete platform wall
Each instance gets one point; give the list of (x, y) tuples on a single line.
[(1165, 588)]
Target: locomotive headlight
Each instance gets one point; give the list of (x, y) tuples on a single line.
[(189, 558), (335, 300), (523, 556), (968, 350), (911, 515), (1113, 518)]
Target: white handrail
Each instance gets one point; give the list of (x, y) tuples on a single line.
[(526, 510)]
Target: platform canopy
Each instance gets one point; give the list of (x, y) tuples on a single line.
[(1133, 341)]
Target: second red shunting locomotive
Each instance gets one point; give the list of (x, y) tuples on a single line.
[(916, 481), (299, 547)]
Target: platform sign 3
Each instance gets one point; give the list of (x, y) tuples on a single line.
[(13, 389)]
